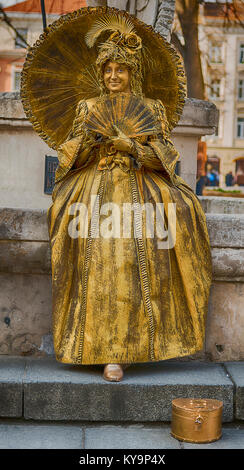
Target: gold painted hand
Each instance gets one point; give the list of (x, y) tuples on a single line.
[(122, 142)]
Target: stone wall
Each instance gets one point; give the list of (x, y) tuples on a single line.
[(25, 271), (25, 279)]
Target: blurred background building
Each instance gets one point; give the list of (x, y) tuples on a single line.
[(26, 19), (221, 41)]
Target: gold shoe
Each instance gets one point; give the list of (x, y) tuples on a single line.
[(113, 372)]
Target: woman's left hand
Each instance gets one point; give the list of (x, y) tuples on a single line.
[(121, 141)]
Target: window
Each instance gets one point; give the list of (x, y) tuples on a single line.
[(241, 54), (17, 78), (215, 53), (177, 168), (240, 171), (19, 44), (241, 89), (215, 89), (240, 127)]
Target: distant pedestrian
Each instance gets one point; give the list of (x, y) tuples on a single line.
[(201, 182), (229, 179)]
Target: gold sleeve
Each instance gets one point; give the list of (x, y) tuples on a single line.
[(78, 124), (77, 145), (158, 152)]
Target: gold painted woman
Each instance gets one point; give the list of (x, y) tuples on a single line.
[(105, 90)]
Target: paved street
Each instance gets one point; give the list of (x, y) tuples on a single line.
[(28, 435)]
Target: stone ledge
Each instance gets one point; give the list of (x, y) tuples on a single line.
[(228, 263), (225, 230), (25, 246), (199, 113), (23, 224), (196, 113), (55, 391), (222, 205), (27, 257)]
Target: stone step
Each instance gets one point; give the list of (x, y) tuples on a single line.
[(222, 205), (44, 389), (16, 434)]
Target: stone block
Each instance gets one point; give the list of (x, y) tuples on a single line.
[(199, 113), (25, 257), (56, 391), (222, 205), (225, 322), (228, 264), (232, 438), (12, 370), (129, 437), (11, 106), (25, 314), (236, 371), (40, 436), (226, 230), (23, 224)]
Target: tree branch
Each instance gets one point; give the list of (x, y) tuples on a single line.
[(178, 44), (7, 20)]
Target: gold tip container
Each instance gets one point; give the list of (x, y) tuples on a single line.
[(196, 420)]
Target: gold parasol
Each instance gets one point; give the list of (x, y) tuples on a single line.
[(60, 70)]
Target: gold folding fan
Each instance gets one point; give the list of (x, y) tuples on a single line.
[(124, 111)]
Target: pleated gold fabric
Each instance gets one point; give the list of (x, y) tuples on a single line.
[(123, 299)]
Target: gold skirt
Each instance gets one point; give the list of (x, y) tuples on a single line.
[(124, 299)]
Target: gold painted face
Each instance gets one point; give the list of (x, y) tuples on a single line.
[(116, 77)]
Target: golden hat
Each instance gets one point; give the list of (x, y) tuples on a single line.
[(60, 70)]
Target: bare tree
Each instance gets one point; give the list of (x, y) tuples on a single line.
[(187, 12), (165, 17), (4, 18)]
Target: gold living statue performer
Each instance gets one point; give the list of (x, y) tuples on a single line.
[(105, 90)]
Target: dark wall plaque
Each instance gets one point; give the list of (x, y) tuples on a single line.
[(51, 164)]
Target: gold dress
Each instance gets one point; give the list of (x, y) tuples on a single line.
[(122, 299)]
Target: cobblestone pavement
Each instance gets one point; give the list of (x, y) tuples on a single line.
[(31, 435)]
